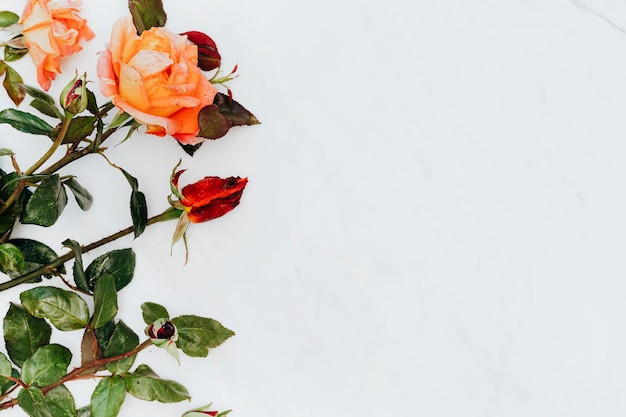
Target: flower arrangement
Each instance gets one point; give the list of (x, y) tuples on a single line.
[(160, 83)]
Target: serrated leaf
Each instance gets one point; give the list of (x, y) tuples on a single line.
[(4, 388), (61, 402), (237, 114), (147, 14), (80, 127), (25, 122), (46, 204), (36, 255), (12, 80), (145, 370), (151, 312), (24, 334), (108, 397), (8, 18), (46, 108), (6, 368), (47, 365), (11, 258), (155, 389), (122, 340), (65, 309), (196, 335), (80, 279), (105, 301), (213, 124), (92, 103), (81, 195), (190, 149), (119, 263), (33, 402)]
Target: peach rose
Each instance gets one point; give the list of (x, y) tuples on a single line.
[(52, 30), (155, 78)]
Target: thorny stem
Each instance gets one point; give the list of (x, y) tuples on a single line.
[(83, 372), (51, 268)]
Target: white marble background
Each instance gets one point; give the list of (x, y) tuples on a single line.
[(435, 223)]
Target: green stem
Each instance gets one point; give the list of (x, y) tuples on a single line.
[(53, 148), (169, 214)]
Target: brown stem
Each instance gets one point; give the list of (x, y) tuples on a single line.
[(168, 214)]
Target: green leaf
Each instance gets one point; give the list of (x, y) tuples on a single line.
[(36, 255), (13, 54), (6, 369), (8, 184), (155, 389), (84, 411), (8, 18), (80, 127), (9, 384), (190, 149), (138, 206), (81, 195), (11, 258), (119, 263), (24, 334), (61, 402), (46, 204), (213, 124), (196, 335), (119, 119), (104, 333), (6, 152), (89, 350), (105, 301), (147, 14), (12, 80), (65, 309), (25, 122), (33, 402), (152, 312), (80, 279), (145, 370), (92, 103), (122, 340), (47, 365), (233, 111), (108, 397), (46, 108), (37, 94)]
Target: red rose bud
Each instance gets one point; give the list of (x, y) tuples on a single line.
[(211, 197), (208, 56), (74, 96), (162, 329)]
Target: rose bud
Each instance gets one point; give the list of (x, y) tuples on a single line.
[(164, 334), (74, 95), (202, 412), (211, 197), (208, 56)]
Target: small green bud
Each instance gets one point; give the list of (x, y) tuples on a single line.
[(74, 95)]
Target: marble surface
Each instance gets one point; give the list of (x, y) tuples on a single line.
[(435, 222)]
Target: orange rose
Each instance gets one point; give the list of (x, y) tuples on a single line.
[(155, 78), (52, 30)]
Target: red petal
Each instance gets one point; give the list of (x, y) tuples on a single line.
[(215, 209), (208, 189)]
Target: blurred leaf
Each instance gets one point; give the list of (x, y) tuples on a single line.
[(122, 340), (25, 122), (65, 309), (81, 195), (233, 111), (147, 14), (37, 94), (46, 108), (105, 301), (119, 119), (152, 312), (24, 334), (155, 389), (13, 54), (92, 103), (6, 152), (196, 335), (36, 255), (8, 18), (213, 124), (84, 411), (61, 402), (11, 258), (12, 80), (46, 204), (119, 263), (108, 397), (47, 365)]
